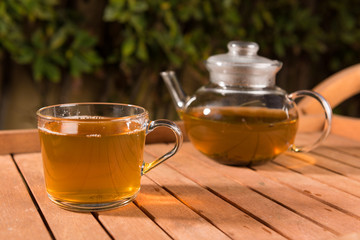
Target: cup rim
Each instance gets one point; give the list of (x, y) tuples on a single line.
[(144, 113)]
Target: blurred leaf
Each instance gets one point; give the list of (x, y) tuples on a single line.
[(256, 19), (92, 57), (38, 69), (138, 6), (267, 17), (142, 52), (25, 56), (77, 66), (110, 13), (279, 49), (175, 59), (171, 23), (38, 39), (139, 23), (113, 10), (83, 40), (128, 47), (58, 58), (52, 72), (58, 39)]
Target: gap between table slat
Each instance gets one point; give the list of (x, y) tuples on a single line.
[(289, 224), (338, 156), (33, 199), (218, 212), (342, 144), (329, 164), (130, 222), (64, 224), (19, 217), (173, 216), (322, 175), (340, 200), (319, 213)]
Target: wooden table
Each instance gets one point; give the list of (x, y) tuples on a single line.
[(297, 196)]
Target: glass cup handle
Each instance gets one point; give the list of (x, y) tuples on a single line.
[(328, 118), (178, 141)]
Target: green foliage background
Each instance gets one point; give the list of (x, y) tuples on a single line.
[(124, 44)]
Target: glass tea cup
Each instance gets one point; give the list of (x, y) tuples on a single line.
[(93, 153)]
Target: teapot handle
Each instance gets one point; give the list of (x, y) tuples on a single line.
[(328, 118)]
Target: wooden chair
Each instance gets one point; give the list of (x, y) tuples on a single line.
[(336, 89)]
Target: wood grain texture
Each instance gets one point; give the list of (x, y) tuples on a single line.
[(328, 163), (19, 218), (329, 195), (336, 155), (19, 141), (279, 218), (64, 224), (298, 202), (231, 220), (325, 176), (179, 221), (129, 222)]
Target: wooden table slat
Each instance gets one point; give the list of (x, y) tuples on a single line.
[(165, 208), (229, 219), (252, 202), (342, 144), (64, 224), (303, 205), (339, 156), (300, 203), (133, 222), (19, 141), (325, 176), (18, 217), (332, 196), (328, 163)]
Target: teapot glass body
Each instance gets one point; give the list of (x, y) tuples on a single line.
[(240, 126)]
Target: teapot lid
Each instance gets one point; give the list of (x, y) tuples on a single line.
[(242, 66)]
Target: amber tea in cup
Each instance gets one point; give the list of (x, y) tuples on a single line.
[(93, 153)]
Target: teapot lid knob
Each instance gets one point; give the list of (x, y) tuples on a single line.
[(243, 48)]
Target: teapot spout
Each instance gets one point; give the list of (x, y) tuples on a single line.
[(177, 94)]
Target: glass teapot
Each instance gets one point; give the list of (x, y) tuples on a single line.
[(241, 117)]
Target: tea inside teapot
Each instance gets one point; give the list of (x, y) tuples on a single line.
[(240, 135)]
